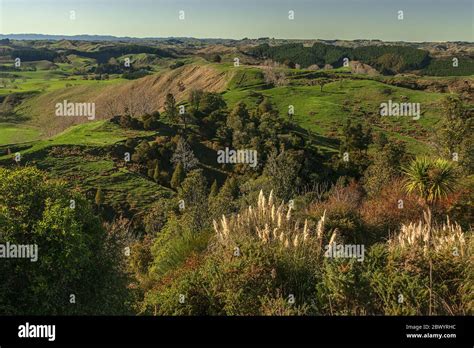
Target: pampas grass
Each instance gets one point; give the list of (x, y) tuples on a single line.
[(441, 237), (270, 224)]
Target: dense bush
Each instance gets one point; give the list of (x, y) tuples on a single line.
[(76, 256), (104, 54), (387, 59), (260, 263), (444, 67), (32, 54), (137, 74)]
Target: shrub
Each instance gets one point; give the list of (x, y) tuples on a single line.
[(266, 261), (342, 211), (248, 270), (176, 65), (75, 254), (402, 268), (387, 211)]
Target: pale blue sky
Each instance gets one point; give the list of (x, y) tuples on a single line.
[(424, 20)]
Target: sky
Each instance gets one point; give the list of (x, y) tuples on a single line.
[(423, 20)]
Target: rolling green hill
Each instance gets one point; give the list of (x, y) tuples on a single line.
[(81, 157), (81, 154)]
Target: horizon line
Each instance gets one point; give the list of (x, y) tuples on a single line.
[(219, 38)]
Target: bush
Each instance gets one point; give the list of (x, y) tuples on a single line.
[(75, 254), (264, 262), (176, 65), (387, 211), (342, 212), (133, 75), (247, 270), (216, 58)]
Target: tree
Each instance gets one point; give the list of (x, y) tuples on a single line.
[(195, 98), (239, 122), (385, 167), (273, 76), (156, 173), (99, 197), (216, 58), (184, 155), (321, 82), (430, 179), (265, 106), (356, 137), (126, 121), (211, 102), (142, 152), (224, 202), (194, 193), (158, 214), (290, 64), (454, 135), (171, 110), (178, 176), (353, 160), (184, 117), (283, 170), (151, 121), (390, 63), (75, 255)]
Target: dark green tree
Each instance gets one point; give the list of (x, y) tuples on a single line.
[(178, 176), (142, 152), (216, 58), (151, 121), (225, 202), (75, 255), (194, 193), (171, 110), (386, 166), (283, 171), (156, 173), (454, 134)]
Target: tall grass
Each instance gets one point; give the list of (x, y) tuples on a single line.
[(270, 224), (423, 235)]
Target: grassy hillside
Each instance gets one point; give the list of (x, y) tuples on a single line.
[(150, 175), (325, 112), (322, 112), (81, 156), (11, 133)]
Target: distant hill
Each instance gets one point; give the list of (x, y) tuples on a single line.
[(87, 37), (64, 37)]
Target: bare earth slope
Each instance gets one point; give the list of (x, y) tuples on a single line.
[(140, 96)]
